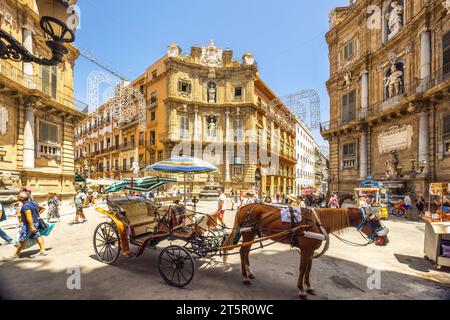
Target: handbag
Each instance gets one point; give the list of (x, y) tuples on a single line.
[(42, 224)]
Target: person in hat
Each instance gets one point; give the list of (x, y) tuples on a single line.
[(53, 207), (80, 202)]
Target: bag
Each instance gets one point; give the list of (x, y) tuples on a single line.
[(42, 224), (28, 243), (46, 232), (3, 215)]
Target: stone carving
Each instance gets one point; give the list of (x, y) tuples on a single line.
[(347, 78), (394, 82), (173, 51), (249, 58), (212, 92), (3, 120), (7, 16), (395, 18), (332, 19), (135, 168), (396, 138), (211, 55), (446, 4), (392, 165), (212, 127)]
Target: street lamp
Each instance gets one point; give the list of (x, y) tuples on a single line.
[(57, 33)]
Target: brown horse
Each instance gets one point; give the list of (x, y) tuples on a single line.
[(264, 220)]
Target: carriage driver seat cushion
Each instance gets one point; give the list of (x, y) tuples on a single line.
[(139, 214)]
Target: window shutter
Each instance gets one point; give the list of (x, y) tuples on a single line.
[(45, 79), (446, 127), (344, 107), (351, 106), (54, 81)]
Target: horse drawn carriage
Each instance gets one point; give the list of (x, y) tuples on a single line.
[(191, 235), (143, 223)]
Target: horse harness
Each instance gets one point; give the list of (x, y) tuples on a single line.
[(294, 224)]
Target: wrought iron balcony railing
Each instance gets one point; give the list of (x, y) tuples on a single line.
[(35, 82), (418, 86)]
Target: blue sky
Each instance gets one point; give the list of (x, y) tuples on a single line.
[(287, 37)]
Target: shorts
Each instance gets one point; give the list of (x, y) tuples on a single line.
[(220, 214), (407, 207), (25, 232)]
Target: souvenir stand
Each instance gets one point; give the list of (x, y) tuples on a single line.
[(380, 195), (437, 228)]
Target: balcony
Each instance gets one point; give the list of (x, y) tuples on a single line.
[(126, 146), (421, 87), (35, 82)]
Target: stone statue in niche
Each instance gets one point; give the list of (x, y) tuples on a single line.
[(212, 127), (395, 18), (347, 78), (392, 165), (394, 82), (212, 92)]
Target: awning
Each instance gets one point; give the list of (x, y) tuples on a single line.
[(79, 178)]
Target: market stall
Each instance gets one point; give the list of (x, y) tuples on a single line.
[(379, 196), (438, 203), (437, 243)]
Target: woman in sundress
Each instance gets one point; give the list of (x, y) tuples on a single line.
[(53, 207)]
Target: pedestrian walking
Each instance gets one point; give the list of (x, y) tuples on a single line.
[(80, 201), (278, 197), (420, 205), (3, 235), (222, 206), (29, 229), (334, 201), (53, 207)]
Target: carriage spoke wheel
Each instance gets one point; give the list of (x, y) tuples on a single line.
[(176, 266), (106, 243)]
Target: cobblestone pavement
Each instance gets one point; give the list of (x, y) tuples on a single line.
[(341, 274)]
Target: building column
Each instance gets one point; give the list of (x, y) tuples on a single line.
[(28, 66), (364, 94), (227, 146), (425, 54), (198, 137), (363, 155), (424, 158), (28, 138)]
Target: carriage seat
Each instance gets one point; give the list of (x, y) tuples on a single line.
[(140, 215)]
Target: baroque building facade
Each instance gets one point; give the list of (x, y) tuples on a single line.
[(389, 94), (37, 111), (204, 104)]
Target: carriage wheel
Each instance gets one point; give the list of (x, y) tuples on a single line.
[(176, 266), (398, 212), (106, 243)]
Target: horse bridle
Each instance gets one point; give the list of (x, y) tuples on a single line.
[(366, 220)]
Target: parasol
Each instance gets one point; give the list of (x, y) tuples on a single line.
[(183, 165)]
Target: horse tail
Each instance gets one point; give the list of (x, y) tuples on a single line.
[(233, 238)]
